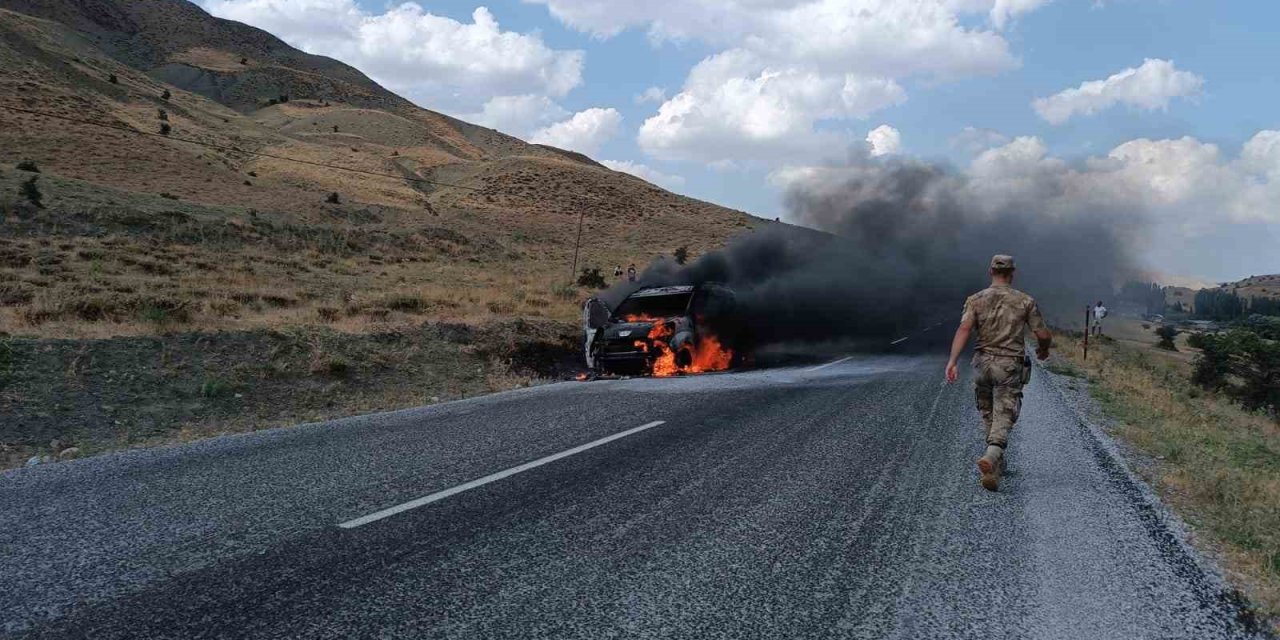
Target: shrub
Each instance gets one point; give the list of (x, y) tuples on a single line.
[(332, 366), (13, 292), (1167, 333), (406, 302), (244, 61), (333, 199), (681, 254), (329, 314), (31, 192), (215, 388), (501, 307), (592, 278), (163, 115), (564, 291), (28, 165), (1243, 364), (166, 95), (113, 79), (165, 129)]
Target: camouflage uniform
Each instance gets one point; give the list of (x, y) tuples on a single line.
[(999, 314)]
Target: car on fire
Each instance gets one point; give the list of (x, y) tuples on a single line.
[(666, 331)]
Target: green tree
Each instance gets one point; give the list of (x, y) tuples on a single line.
[(681, 254), (31, 192), (1167, 333)]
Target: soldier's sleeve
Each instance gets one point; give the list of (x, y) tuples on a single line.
[(968, 315), (1034, 319)]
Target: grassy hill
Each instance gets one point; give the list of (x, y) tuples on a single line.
[(498, 241), (195, 214)]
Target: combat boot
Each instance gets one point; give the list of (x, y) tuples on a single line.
[(990, 464)]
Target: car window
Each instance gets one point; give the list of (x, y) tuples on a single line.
[(653, 306)]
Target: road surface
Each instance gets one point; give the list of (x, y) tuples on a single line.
[(834, 501)]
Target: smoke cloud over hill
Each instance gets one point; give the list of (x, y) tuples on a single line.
[(905, 243)]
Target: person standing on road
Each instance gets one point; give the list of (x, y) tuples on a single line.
[(1000, 314), (1099, 312), (631, 273)]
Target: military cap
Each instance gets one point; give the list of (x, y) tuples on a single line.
[(1003, 262)]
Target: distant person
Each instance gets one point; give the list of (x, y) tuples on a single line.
[(617, 271), (1099, 312), (631, 273), (1000, 314)]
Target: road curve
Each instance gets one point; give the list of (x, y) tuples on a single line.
[(832, 502)]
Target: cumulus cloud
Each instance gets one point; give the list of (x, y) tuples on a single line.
[(977, 140), (734, 106), (884, 140), (518, 115), (585, 132), (433, 59), (1150, 86), (645, 172), (652, 94), (1005, 11), (1183, 182), (789, 71)]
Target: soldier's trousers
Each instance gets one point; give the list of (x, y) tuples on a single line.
[(999, 394)]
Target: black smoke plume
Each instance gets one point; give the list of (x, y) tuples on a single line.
[(900, 245)]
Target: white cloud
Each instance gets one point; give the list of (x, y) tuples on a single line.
[(652, 94), (518, 115), (585, 132), (976, 140), (1150, 87), (789, 71), (1184, 184), (859, 36), (736, 107), (884, 140), (438, 61), (1005, 11), (645, 172)]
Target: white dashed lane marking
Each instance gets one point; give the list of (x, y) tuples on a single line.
[(493, 477)]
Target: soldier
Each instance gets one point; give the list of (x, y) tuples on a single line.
[(1000, 314)]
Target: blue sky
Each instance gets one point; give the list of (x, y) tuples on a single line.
[(1179, 122)]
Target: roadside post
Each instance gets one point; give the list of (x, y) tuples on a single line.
[(1087, 310), (573, 273)]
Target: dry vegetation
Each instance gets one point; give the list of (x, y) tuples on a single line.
[(1214, 462), (144, 237), (144, 234)]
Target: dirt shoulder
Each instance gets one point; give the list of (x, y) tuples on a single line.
[(93, 396), (1212, 461)]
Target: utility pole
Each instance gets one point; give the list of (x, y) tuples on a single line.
[(573, 273), (1087, 311)]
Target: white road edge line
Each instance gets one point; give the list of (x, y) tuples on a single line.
[(824, 366), (493, 477)]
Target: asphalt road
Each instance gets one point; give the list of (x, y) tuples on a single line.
[(833, 502)]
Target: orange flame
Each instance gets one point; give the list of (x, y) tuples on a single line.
[(709, 354)]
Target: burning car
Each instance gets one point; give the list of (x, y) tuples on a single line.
[(665, 331)]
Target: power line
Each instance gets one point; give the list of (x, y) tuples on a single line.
[(221, 147)]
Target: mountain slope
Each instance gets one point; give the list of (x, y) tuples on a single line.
[(198, 169)]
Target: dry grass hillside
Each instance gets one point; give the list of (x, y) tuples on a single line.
[(1267, 286), (183, 265), (116, 230)]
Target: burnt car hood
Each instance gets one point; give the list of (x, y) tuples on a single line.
[(628, 331)]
